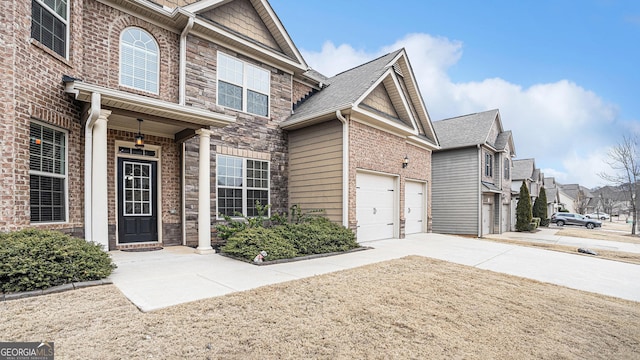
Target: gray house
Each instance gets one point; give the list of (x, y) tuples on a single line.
[(472, 175)]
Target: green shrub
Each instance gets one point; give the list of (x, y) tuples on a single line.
[(247, 243), (34, 259), (523, 209), (536, 222), (318, 235)]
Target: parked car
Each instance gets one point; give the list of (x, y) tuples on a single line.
[(562, 219), (601, 216)]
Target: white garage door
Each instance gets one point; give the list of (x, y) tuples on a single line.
[(487, 219), (375, 199), (414, 207)]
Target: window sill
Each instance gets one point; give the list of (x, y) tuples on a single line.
[(50, 52)]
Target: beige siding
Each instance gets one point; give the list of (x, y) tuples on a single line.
[(241, 16), (379, 100), (315, 168)]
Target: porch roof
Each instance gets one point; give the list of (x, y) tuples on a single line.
[(169, 113)]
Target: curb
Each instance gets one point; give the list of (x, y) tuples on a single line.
[(299, 258), (53, 290)]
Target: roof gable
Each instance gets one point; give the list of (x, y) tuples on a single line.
[(383, 90), (523, 169), (249, 25), (468, 130)]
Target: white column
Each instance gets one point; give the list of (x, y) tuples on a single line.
[(99, 178), (204, 193)]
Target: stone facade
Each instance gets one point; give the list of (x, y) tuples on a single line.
[(250, 134)]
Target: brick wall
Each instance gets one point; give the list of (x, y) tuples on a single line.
[(32, 74), (376, 150), (101, 40)]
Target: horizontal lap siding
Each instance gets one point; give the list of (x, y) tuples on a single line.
[(455, 191), (315, 168)]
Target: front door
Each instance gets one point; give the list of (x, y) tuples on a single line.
[(137, 196)]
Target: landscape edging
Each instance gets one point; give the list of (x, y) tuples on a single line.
[(53, 289)]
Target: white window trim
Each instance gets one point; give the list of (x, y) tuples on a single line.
[(44, 173), (243, 86), (244, 184), (488, 164), (65, 21), (157, 92)]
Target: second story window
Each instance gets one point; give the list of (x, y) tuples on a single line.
[(506, 169), (242, 86), (488, 165), (139, 60), (49, 23)]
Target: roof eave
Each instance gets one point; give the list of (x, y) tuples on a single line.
[(120, 99)]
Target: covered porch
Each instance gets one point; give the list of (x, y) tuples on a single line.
[(133, 171)]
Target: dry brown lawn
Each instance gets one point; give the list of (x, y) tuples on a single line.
[(413, 307)]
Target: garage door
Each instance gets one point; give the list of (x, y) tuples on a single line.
[(414, 207), (375, 199), (487, 218)]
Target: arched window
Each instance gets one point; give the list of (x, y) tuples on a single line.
[(138, 60)]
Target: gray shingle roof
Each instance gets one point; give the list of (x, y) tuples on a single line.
[(523, 169), (344, 89), (467, 130), (503, 140)]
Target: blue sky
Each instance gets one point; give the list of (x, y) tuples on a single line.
[(563, 73)]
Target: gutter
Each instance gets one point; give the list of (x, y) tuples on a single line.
[(183, 60), (94, 113), (345, 168)]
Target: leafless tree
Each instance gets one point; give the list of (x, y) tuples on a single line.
[(624, 159)]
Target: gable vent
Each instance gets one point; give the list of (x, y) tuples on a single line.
[(397, 69)]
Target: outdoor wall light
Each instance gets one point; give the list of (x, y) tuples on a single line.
[(139, 139), (405, 162)]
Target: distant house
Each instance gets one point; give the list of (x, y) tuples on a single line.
[(525, 171), (582, 197), (472, 175)]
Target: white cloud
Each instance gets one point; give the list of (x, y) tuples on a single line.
[(560, 124)]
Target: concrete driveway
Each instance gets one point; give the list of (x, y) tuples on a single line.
[(175, 275)]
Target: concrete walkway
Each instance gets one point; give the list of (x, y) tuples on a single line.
[(175, 275), (549, 236)]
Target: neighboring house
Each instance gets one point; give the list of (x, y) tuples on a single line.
[(472, 175), (525, 171), (566, 197), (134, 123), (581, 197), (613, 200)]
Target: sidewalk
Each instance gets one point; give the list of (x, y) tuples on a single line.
[(549, 236), (175, 275)]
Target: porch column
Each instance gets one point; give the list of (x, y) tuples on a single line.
[(99, 179), (204, 193)]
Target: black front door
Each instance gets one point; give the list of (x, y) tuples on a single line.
[(137, 196)]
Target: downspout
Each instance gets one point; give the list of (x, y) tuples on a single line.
[(481, 217), (94, 113), (345, 168), (182, 100), (183, 60)]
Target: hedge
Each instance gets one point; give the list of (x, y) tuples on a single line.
[(34, 259)]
